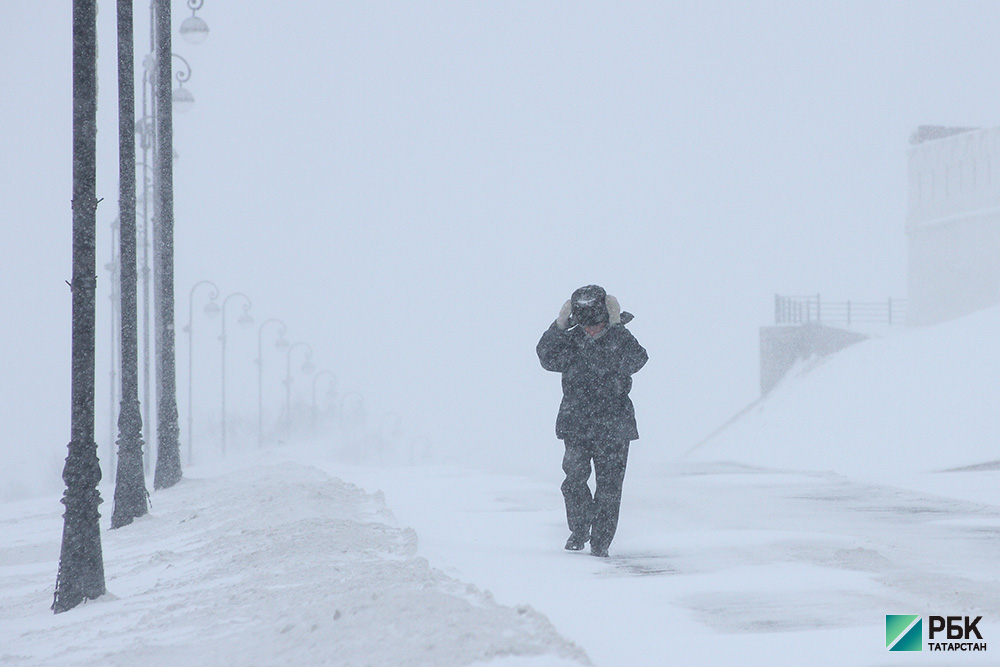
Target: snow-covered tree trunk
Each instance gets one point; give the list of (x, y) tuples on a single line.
[(81, 562), (168, 454), (130, 482)]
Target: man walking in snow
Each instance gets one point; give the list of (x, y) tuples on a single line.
[(589, 344)]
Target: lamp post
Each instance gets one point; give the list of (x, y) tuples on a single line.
[(281, 342), (144, 129), (420, 449), (307, 367), (81, 561), (388, 431), (246, 320), (315, 403), (211, 309), (156, 130), (351, 418), (113, 269), (390, 424)]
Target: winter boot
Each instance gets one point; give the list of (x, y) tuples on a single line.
[(597, 550), (576, 541)]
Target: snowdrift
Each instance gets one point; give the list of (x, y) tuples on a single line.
[(917, 400), (271, 565)]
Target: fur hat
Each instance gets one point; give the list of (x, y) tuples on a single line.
[(590, 305)]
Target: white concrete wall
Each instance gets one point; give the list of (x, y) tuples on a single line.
[(953, 225)]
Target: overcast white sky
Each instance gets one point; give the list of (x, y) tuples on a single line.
[(416, 188)]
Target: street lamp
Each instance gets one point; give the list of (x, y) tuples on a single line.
[(388, 432), (315, 404), (281, 342), (146, 129), (211, 310), (193, 29), (420, 449), (351, 418), (391, 423), (307, 368), (113, 268), (156, 128), (181, 98), (245, 320)]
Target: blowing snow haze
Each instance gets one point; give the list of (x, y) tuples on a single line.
[(416, 189)]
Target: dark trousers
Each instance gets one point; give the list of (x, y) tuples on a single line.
[(596, 514)]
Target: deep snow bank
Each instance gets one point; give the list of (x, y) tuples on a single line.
[(918, 400), (274, 565)]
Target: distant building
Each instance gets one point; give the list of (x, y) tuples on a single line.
[(953, 222)]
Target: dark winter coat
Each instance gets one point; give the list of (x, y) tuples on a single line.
[(596, 379)]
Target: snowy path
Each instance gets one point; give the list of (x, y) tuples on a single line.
[(722, 565), (280, 563)]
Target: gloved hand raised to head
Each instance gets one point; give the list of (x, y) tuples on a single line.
[(563, 320), (614, 310)]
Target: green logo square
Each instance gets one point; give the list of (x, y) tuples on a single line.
[(904, 632)]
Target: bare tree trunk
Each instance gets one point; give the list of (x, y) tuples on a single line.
[(131, 498), (81, 562), (168, 453)]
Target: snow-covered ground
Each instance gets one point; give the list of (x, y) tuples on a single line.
[(274, 564), (862, 486)]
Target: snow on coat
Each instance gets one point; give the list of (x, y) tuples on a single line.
[(596, 380)]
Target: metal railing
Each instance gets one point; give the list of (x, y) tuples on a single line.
[(813, 310)]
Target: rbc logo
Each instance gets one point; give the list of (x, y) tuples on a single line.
[(904, 632)]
